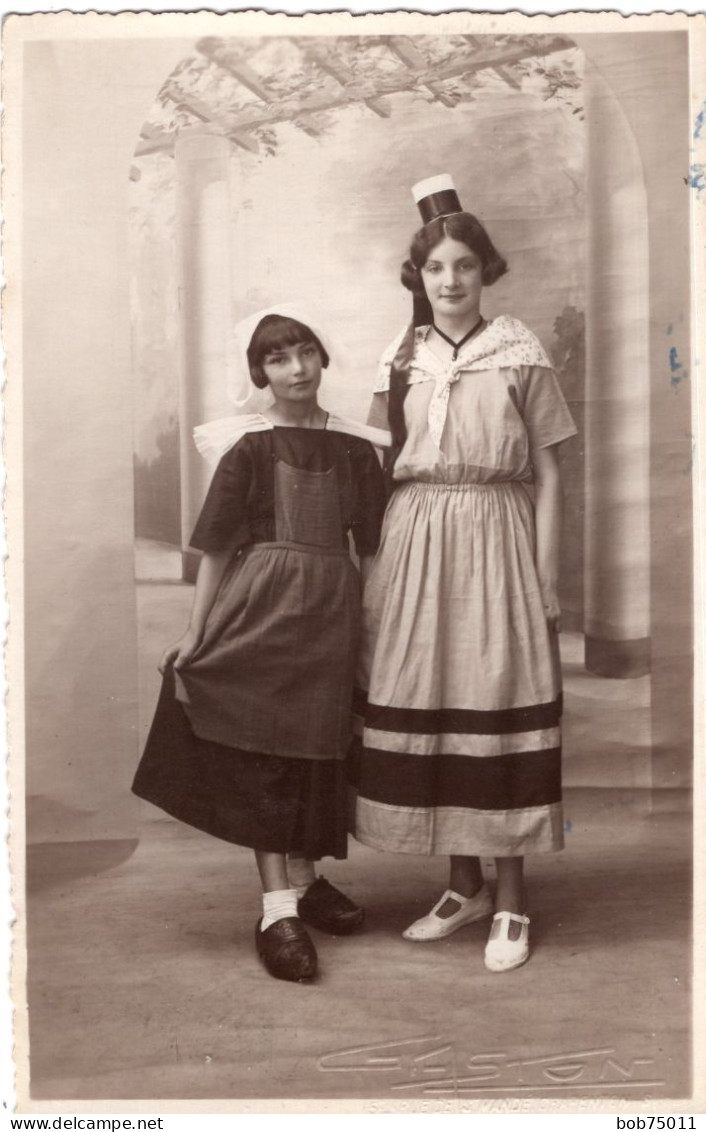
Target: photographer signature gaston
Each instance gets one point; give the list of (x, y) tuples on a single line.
[(435, 1067)]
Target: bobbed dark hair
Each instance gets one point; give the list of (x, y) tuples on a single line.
[(468, 230), (275, 332), (461, 226)]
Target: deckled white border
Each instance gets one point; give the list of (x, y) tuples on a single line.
[(151, 21)]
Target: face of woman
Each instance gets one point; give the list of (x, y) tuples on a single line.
[(452, 277), (294, 372)]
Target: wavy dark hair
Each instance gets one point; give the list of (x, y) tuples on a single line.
[(468, 230), (273, 333)]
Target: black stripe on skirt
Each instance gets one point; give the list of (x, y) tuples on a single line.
[(458, 721), (497, 782)]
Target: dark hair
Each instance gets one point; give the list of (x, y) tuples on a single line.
[(275, 332), (468, 230), (461, 226)]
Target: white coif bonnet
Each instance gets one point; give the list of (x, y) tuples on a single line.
[(240, 388), (217, 437)]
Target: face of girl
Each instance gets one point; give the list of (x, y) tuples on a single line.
[(452, 277), (294, 372)]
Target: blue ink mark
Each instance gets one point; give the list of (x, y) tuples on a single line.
[(679, 374), (670, 328), (567, 826), (700, 122), (697, 178)]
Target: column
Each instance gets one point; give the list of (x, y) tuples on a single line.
[(617, 531), (204, 238)]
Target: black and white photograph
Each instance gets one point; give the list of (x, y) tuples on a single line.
[(351, 422)]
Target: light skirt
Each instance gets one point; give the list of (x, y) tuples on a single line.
[(461, 748)]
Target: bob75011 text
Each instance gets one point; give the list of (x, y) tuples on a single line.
[(658, 1122)]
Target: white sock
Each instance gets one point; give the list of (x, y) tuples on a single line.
[(301, 874), (278, 905)]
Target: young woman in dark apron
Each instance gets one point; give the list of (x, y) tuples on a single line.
[(252, 730)]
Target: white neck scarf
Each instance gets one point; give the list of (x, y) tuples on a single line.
[(503, 343)]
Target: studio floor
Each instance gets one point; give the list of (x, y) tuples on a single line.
[(144, 983)]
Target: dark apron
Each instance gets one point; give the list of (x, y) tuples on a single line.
[(274, 670)]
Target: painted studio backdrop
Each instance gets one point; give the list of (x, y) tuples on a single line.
[(274, 169), (172, 186)]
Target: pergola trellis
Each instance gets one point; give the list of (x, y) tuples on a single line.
[(412, 70), (235, 92)]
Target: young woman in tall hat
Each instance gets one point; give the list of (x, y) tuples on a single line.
[(461, 749)]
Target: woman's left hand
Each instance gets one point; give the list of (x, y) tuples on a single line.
[(552, 609)]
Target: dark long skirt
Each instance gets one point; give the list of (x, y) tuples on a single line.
[(262, 801)]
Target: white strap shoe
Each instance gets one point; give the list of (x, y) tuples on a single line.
[(433, 926), (503, 953)]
